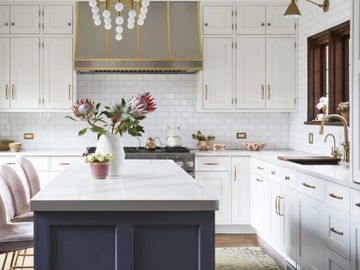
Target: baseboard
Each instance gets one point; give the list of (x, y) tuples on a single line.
[(234, 229)]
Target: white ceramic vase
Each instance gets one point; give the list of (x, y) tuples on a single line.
[(112, 143)]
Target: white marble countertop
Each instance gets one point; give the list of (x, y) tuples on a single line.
[(340, 174), (144, 185)]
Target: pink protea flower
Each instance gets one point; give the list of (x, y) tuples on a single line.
[(142, 104), (84, 109)]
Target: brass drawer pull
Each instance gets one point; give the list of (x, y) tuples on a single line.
[(69, 88), (269, 92), (262, 24), (10, 163), (260, 168), (332, 229), (287, 178), (7, 91), (206, 92), (357, 204), (308, 186), (206, 24), (64, 163), (259, 180), (332, 195), (235, 173), (211, 163), (273, 173), (262, 92), (13, 91)]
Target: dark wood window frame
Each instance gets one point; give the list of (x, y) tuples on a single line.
[(337, 41)]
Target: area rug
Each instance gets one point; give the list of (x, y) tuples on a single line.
[(244, 258)]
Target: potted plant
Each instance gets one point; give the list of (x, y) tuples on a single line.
[(110, 124), (99, 164), (203, 141), (344, 109)]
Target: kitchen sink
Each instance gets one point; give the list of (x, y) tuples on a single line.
[(311, 160)]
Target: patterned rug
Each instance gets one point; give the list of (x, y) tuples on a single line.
[(244, 258)]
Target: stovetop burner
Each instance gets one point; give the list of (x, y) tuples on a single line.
[(144, 150)]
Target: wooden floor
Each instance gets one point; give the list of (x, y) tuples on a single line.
[(248, 240)]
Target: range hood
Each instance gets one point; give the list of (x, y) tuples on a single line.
[(169, 41)]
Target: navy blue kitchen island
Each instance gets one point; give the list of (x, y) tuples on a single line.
[(152, 217)]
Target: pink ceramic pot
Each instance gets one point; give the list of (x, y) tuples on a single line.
[(100, 170)]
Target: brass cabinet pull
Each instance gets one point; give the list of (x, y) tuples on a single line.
[(268, 24), (12, 24), (308, 186), (211, 163), (206, 24), (64, 163), (262, 92), (260, 168), (7, 91), (332, 195), (263, 24), (10, 163), (287, 178), (235, 173), (273, 172), (269, 92), (13, 91), (357, 204), (206, 92), (276, 205), (69, 23), (332, 229), (6, 24), (69, 91), (259, 180)]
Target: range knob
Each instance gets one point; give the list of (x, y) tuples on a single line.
[(180, 163), (190, 164)]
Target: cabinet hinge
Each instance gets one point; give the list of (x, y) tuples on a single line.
[(232, 26), (232, 101), (43, 13), (43, 44), (43, 101), (39, 13), (294, 100), (235, 45), (235, 13), (232, 13), (295, 26), (295, 45), (232, 45), (235, 100)]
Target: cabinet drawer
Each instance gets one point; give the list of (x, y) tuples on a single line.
[(60, 163), (338, 196), (261, 168), (310, 186), (212, 163), (355, 203), (40, 163), (9, 161)]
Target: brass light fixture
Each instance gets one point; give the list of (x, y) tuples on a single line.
[(293, 11)]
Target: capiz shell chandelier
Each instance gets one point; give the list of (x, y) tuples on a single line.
[(137, 14)]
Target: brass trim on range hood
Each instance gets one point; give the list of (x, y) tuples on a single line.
[(109, 56)]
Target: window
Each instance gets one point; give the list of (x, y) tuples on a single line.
[(328, 69)]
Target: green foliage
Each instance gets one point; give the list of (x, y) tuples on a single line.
[(202, 138)]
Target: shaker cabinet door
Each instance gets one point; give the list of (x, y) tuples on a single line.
[(58, 19), (277, 23), (25, 73), (58, 75), (25, 19), (250, 20), (4, 19), (217, 20), (4, 73)]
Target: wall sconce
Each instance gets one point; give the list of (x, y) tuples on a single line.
[(293, 11)]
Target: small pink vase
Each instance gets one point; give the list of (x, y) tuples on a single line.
[(100, 170)]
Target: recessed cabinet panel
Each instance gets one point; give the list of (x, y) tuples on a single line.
[(4, 19), (58, 19), (58, 84), (217, 20), (25, 19), (280, 73), (277, 24), (4, 73), (250, 73), (217, 75), (25, 73), (250, 20)]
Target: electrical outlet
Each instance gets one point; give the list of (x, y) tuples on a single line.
[(311, 138), (241, 135), (29, 136)]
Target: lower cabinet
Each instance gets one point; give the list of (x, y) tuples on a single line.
[(333, 261)]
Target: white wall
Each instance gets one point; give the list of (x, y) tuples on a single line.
[(175, 95), (313, 21)]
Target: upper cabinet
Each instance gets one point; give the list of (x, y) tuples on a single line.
[(25, 19), (4, 19), (58, 19), (218, 20), (277, 24), (250, 20)]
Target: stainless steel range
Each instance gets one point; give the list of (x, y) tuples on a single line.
[(181, 155)]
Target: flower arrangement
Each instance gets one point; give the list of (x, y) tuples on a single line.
[(120, 118), (343, 107), (323, 105), (98, 158), (203, 141)]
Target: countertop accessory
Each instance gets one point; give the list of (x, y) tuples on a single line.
[(15, 147), (203, 141), (111, 123), (254, 146), (174, 137), (4, 144), (219, 147), (99, 164), (150, 144)]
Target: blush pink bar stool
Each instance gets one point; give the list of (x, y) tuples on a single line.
[(18, 194), (31, 176), (14, 237)]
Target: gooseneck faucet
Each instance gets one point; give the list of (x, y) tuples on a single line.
[(346, 143)]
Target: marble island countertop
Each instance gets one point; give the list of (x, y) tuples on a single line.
[(144, 185)]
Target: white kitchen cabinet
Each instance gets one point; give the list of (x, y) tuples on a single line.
[(277, 214), (277, 23), (4, 73), (25, 73), (4, 19), (217, 20), (218, 73), (219, 185), (58, 19), (250, 20), (25, 19), (280, 73), (335, 261), (250, 73), (240, 190), (58, 74), (355, 243)]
